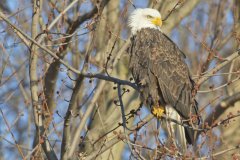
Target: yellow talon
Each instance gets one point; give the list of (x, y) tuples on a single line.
[(157, 111)]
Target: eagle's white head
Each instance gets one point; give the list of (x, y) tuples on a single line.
[(144, 18)]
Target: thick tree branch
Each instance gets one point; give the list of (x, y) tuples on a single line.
[(37, 108)]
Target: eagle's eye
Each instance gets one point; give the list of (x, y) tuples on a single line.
[(149, 17)]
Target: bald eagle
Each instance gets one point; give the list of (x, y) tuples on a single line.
[(158, 68)]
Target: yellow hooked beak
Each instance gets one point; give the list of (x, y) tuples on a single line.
[(157, 21)]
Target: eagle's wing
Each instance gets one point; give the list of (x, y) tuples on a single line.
[(172, 73)]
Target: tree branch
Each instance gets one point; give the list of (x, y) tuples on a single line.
[(66, 141), (37, 108), (222, 107)]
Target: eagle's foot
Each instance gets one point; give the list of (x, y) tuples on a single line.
[(157, 111)]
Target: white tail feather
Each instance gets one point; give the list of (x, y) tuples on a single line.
[(176, 131)]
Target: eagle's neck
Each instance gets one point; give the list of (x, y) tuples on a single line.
[(137, 28)]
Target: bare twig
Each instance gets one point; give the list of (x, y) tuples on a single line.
[(219, 67), (132, 4), (9, 130), (173, 9), (220, 87), (121, 106), (220, 153), (124, 122)]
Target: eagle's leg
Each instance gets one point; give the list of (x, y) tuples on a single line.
[(157, 111)]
